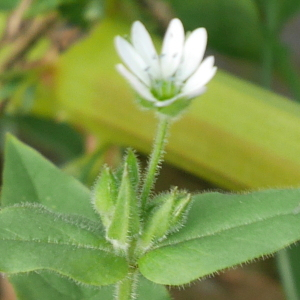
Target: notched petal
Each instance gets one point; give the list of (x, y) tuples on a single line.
[(132, 59), (135, 83), (202, 76), (193, 53), (172, 48), (143, 44)]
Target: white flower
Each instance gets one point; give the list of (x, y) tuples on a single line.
[(177, 73)]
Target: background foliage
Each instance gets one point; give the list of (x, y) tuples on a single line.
[(61, 93)]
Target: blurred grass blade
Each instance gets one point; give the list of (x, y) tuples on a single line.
[(237, 135)]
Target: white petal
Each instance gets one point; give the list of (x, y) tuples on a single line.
[(195, 93), (143, 44), (172, 48), (193, 52), (202, 76), (137, 85), (132, 59)]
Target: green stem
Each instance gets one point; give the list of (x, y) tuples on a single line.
[(268, 12), (125, 289), (288, 70), (267, 63), (155, 158), (286, 274), (271, 41)]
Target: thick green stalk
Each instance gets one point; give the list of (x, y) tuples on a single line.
[(267, 63), (155, 158), (288, 70), (286, 274), (269, 16), (270, 13), (125, 289)]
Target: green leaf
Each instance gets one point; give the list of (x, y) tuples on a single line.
[(133, 168), (33, 238), (147, 290), (125, 220), (57, 138), (158, 223), (105, 195), (218, 227), (38, 181), (49, 286)]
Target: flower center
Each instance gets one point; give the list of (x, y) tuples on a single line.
[(164, 89)]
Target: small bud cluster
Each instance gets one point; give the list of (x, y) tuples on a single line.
[(166, 215), (116, 197)]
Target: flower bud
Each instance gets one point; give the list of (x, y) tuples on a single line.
[(133, 168), (158, 223), (105, 195), (167, 215), (180, 211), (125, 220)]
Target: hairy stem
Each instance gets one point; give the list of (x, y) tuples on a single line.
[(125, 289), (155, 159)]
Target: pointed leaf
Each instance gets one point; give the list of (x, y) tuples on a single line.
[(158, 224), (49, 286), (39, 181), (33, 238), (125, 221), (133, 168), (218, 227), (105, 195)]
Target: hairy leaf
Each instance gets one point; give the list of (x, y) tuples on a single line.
[(29, 177), (49, 286), (33, 238), (224, 230)]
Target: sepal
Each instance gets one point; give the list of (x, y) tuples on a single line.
[(166, 215), (125, 221), (105, 195), (158, 222), (181, 208), (133, 168)]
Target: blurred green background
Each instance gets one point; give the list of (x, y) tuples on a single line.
[(61, 94)]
